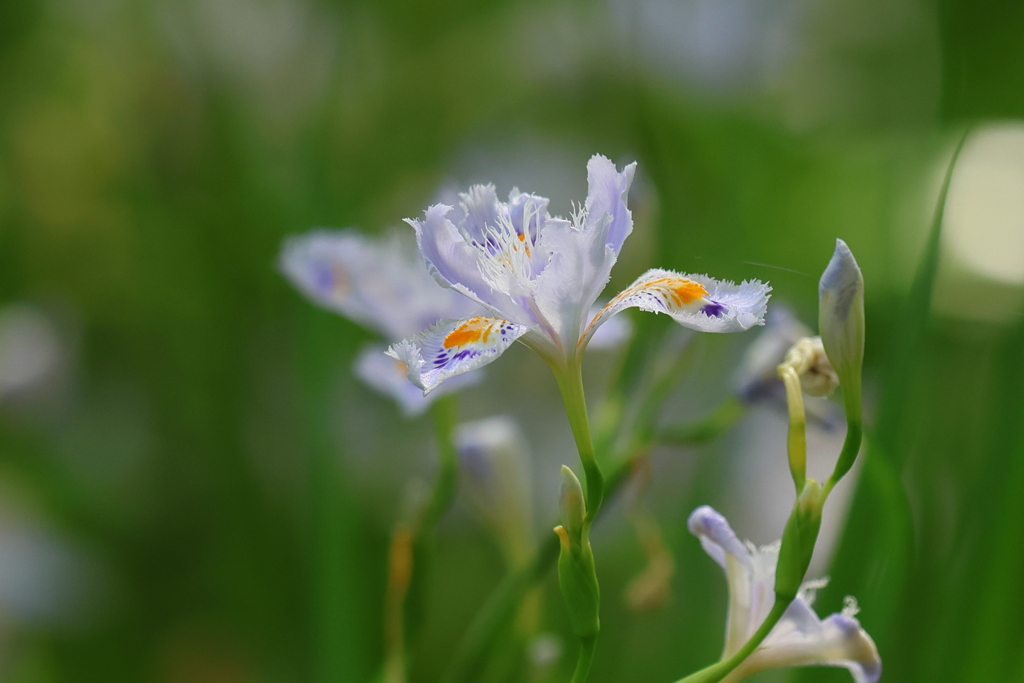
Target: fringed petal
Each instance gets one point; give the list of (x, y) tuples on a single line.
[(452, 347), (389, 377), (695, 301)]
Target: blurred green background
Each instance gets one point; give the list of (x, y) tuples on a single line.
[(194, 488)]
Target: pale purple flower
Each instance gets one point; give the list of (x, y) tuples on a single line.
[(538, 276), (800, 638)]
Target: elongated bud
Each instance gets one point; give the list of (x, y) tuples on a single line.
[(572, 507), (798, 540), (841, 322), (576, 575)]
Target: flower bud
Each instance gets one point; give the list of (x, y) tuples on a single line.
[(808, 358), (798, 540), (572, 507), (841, 322), (578, 582), (576, 575)]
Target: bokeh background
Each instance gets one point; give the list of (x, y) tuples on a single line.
[(193, 486)]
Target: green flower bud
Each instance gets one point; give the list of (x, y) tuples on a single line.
[(798, 540), (576, 575), (573, 508), (841, 322), (578, 581)]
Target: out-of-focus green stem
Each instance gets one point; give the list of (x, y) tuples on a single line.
[(498, 610), (444, 412), (501, 605), (719, 670), (586, 657), (705, 429)]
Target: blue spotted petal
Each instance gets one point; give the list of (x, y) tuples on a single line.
[(452, 347), (695, 301)]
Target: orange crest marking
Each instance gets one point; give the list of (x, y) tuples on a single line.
[(473, 330), (682, 291)]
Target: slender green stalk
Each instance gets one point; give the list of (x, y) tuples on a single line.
[(578, 579), (498, 611), (586, 657), (797, 440), (719, 670), (705, 429), (570, 383), (500, 607), (444, 412)]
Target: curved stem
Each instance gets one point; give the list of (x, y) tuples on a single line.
[(586, 656), (719, 670)]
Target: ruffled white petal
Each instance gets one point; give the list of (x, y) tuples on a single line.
[(837, 640), (749, 571), (452, 347), (583, 252), (451, 259), (379, 283), (607, 194), (695, 301), (800, 638), (388, 376)]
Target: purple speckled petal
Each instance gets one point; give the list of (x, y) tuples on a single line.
[(452, 347)]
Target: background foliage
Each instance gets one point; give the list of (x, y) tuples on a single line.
[(196, 489)]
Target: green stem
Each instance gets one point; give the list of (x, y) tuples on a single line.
[(719, 670), (497, 611), (705, 429), (585, 658), (444, 412), (570, 383)]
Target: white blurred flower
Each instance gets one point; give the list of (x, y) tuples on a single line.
[(31, 350), (382, 284), (800, 638), (495, 459)]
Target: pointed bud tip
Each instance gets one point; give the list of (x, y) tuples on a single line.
[(842, 273), (571, 503)]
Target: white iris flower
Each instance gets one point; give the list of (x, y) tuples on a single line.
[(537, 277)]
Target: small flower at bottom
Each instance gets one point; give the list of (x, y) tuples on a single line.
[(800, 638), (539, 275)]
